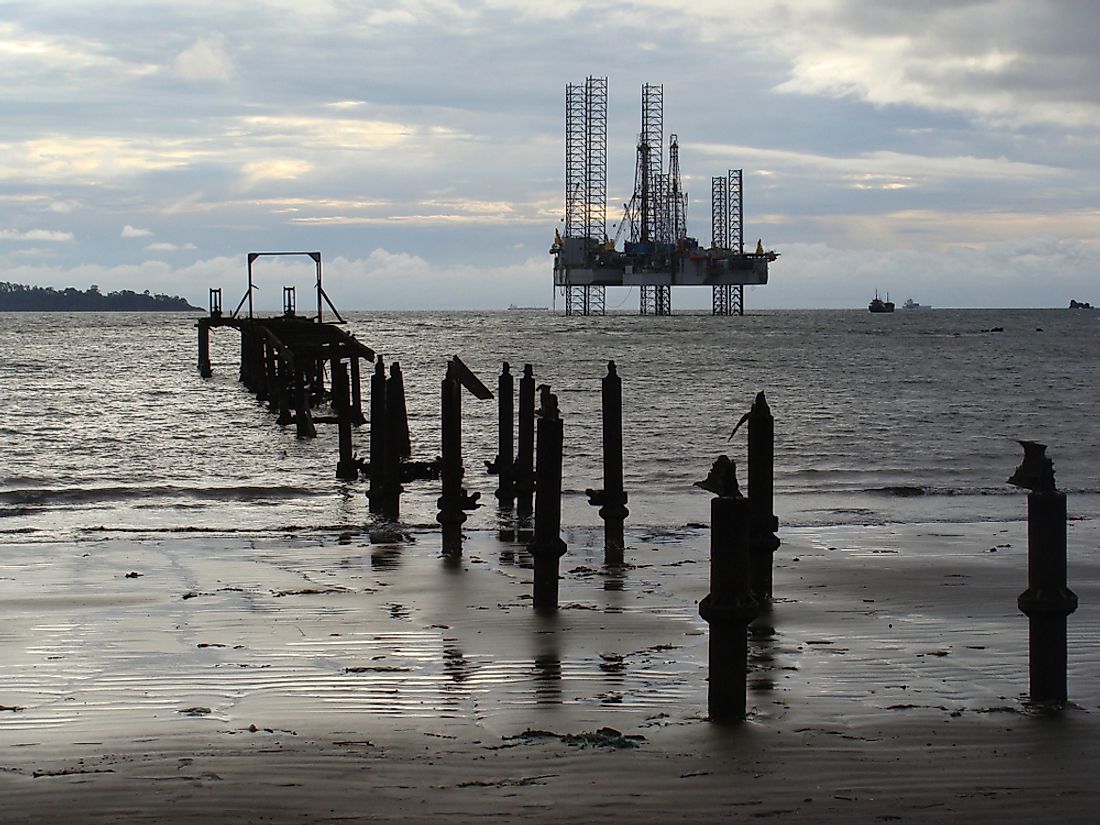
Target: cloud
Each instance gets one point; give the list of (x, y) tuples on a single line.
[(133, 232), (1013, 61), (203, 61), (164, 246), (35, 235)]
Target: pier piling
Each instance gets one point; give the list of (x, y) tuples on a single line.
[(205, 369), (346, 468), (612, 498), (524, 472), (454, 500), (397, 444), (547, 547), (1047, 602), (730, 606), (378, 440), (503, 466), (762, 519)]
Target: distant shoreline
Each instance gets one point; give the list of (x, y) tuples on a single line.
[(24, 298)]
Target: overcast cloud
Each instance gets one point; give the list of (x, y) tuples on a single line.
[(943, 150)]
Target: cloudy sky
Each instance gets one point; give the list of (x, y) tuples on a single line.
[(941, 149)]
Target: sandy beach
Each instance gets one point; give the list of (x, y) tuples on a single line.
[(220, 678)]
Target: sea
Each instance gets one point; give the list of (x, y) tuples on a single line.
[(108, 430)]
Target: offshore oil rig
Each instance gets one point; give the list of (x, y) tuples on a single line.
[(657, 252)]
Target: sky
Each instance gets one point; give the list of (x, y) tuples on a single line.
[(943, 150)]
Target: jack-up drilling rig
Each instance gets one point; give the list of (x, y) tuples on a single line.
[(657, 253)]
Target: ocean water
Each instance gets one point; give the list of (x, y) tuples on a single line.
[(108, 430)]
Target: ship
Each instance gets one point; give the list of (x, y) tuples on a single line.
[(911, 304), (879, 305), (526, 309)]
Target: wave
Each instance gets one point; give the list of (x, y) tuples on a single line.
[(44, 497), (903, 491)]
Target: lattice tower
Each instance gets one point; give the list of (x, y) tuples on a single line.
[(576, 165), (736, 217), (595, 136), (653, 138), (719, 213)]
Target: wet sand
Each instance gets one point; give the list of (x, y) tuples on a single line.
[(324, 679)]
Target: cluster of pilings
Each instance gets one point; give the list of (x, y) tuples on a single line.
[(284, 360)]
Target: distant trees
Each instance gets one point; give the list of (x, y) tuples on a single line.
[(23, 298)]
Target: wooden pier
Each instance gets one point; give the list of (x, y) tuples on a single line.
[(284, 358)]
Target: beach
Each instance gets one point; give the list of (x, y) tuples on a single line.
[(323, 678)]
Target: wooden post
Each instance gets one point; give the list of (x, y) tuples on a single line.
[(548, 547)]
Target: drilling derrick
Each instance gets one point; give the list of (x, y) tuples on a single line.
[(677, 197), (658, 253), (585, 187), (727, 232)]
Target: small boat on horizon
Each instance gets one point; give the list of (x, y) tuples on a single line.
[(512, 307), (879, 305), (911, 304)]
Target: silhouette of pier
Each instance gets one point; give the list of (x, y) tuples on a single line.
[(293, 362)]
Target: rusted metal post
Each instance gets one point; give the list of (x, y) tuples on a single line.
[(302, 416), (271, 371), (356, 391), (764, 524), (243, 377), (452, 513), (346, 468), (612, 498), (397, 430), (376, 489), (204, 348), (730, 606), (548, 547), (285, 390), (503, 466), (397, 435), (1047, 601), (525, 455)]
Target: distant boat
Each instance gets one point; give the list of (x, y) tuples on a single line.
[(879, 305), (527, 309), (911, 304), (1079, 304)]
